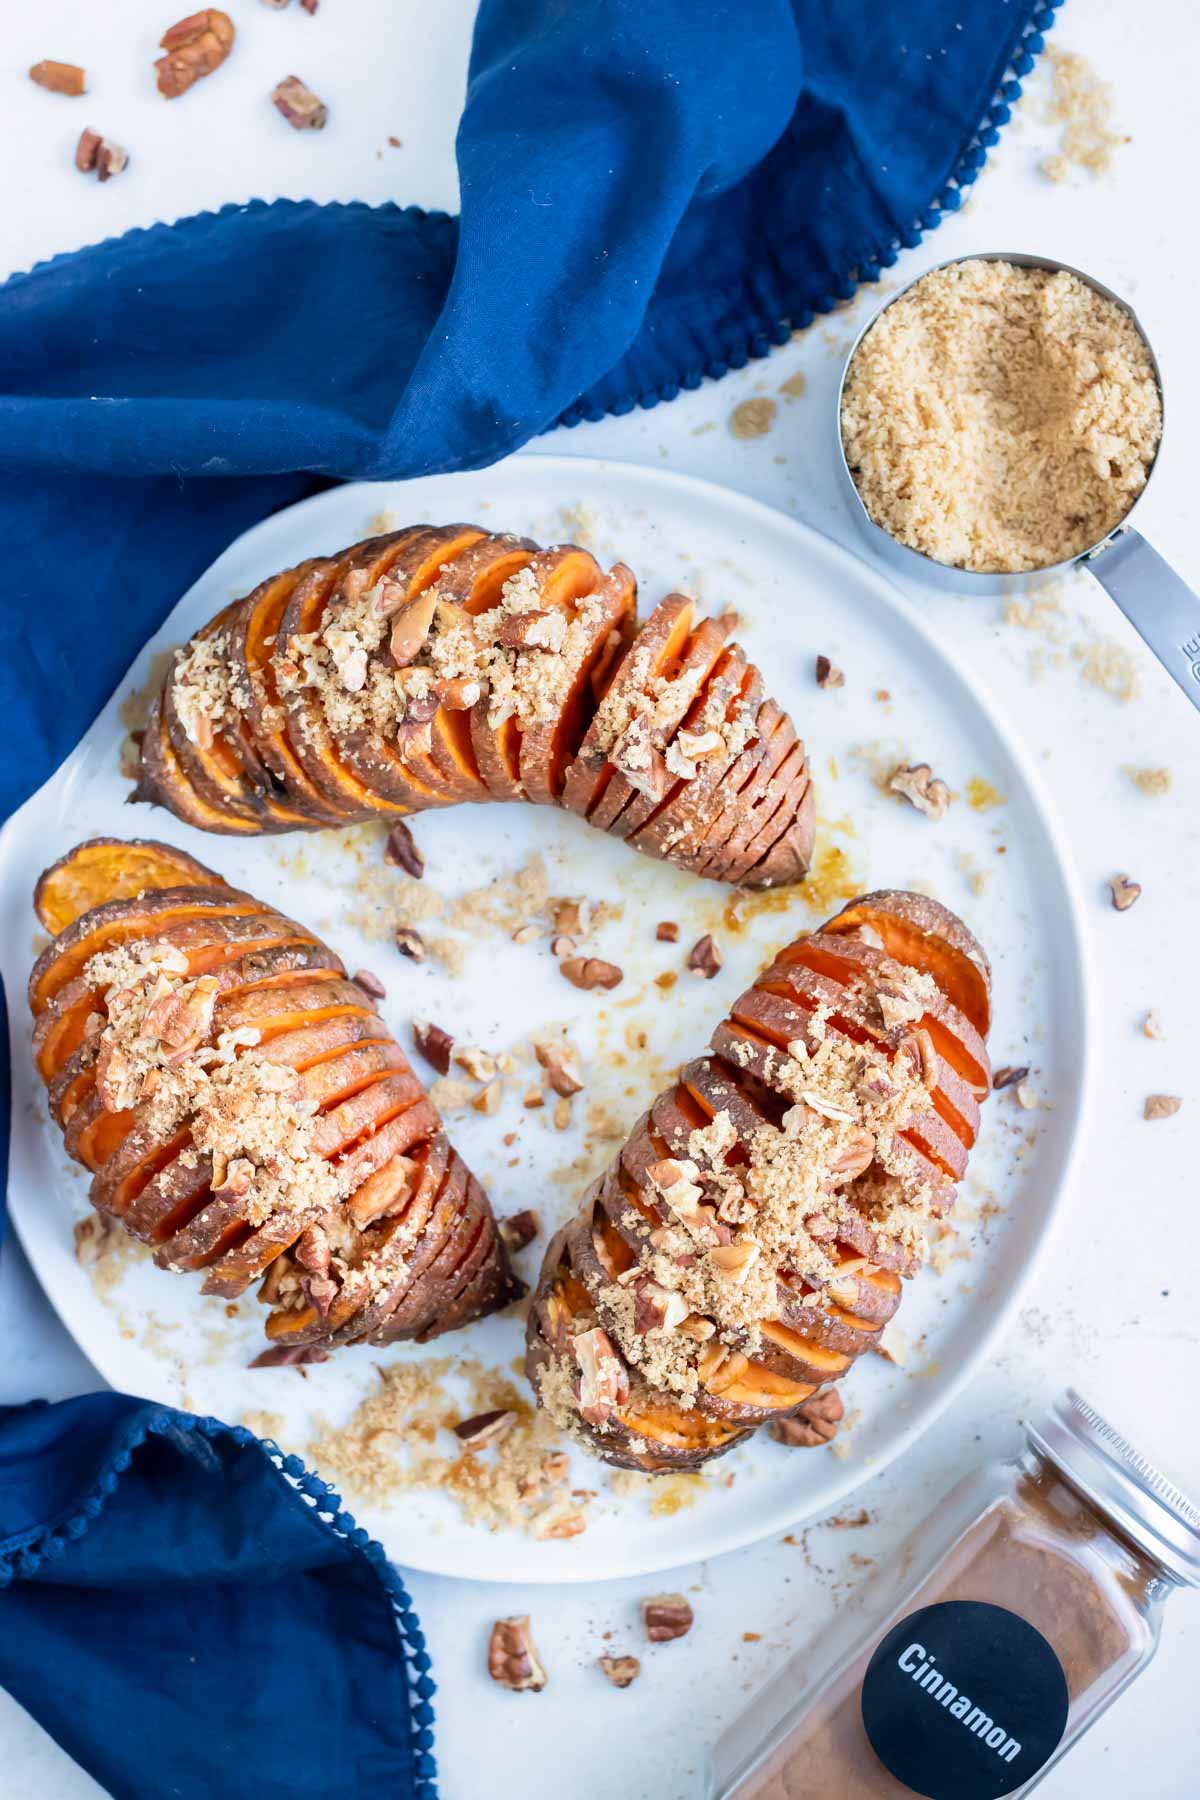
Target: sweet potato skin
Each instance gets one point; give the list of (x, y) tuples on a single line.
[(287, 996), (293, 762)]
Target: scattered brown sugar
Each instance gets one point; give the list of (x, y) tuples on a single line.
[(1082, 104), (1151, 782), (401, 1438), (1001, 418), (753, 418)]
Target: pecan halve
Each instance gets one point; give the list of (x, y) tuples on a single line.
[(666, 1617), (195, 47), (512, 1657)]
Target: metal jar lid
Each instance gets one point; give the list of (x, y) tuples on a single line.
[(1107, 1469)]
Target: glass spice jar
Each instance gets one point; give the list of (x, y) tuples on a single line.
[(1008, 1622)]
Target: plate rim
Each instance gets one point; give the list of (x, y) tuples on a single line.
[(723, 497)]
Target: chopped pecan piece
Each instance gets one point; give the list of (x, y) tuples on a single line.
[(918, 784), (59, 77), (733, 1262), (666, 1617), (621, 1670), (233, 1180), (656, 1308), (371, 1202), (195, 47), (484, 1428), (299, 105), (410, 627), (518, 1230), (290, 1356), (370, 984), (856, 1156), (116, 1083), (828, 674), (410, 943), (604, 1383), (667, 931), (311, 1250), (401, 850), (458, 693), (562, 945), (814, 1423), (570, 917), (590, 972), (101, 154), (488, 1099), (1124, 892), (512, 1658), (704, 958), (434, 1044), (558, 1061), (1161, 1106), (1009, 1076), (536, 630), (1026, 1096)]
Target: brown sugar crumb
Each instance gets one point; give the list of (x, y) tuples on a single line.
[(1151, 782), (1161, 1106), (1001, 418), (402, 1438), (1082, 104), (753, 418)]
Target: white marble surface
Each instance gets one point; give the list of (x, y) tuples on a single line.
[(1116, 1307)]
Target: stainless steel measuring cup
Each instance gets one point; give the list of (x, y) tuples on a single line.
[(1158, 603)]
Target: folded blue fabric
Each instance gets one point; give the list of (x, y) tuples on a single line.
[(188, 1621), (651, 194)]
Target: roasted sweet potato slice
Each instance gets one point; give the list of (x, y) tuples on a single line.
[(164, 782), (264, 743), (112, 869), (657, 647), (408, 774), (921, 933)]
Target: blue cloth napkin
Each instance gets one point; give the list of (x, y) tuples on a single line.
[(651, 195), (188, 1622)]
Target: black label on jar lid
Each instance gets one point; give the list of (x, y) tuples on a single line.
[(964, 1701)]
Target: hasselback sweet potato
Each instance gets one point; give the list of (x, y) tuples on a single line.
[(749, 1242), (443, 664), (244, 1109)]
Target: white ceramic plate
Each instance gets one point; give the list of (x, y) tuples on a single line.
[(152, 1333)]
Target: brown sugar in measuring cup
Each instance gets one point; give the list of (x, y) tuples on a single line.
[(1041, 1582), (1158, 603)]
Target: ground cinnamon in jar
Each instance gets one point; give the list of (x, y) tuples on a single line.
[(1010, 1620)]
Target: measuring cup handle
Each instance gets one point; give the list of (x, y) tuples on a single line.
[(1158, 603)]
